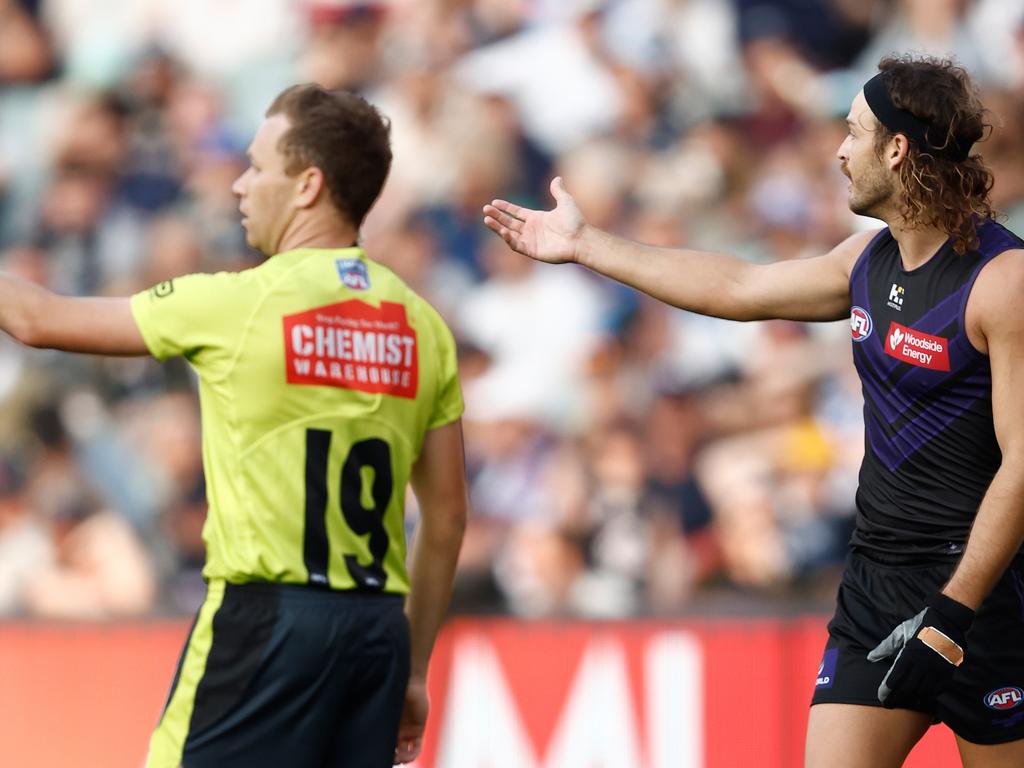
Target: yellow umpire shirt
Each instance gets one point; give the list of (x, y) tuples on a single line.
[(320, 371)]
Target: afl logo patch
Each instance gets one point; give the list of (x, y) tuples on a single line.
[(353, 274), (860, 324), (1009, 697)]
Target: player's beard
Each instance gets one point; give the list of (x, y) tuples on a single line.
[(872, 193)]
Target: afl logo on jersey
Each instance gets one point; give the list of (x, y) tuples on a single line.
[(860, 324), (1004, 698), (353, 274)]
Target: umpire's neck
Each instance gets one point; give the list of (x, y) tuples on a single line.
[(322, 234), (320, 225)]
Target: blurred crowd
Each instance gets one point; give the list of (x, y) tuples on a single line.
[(625, 458)]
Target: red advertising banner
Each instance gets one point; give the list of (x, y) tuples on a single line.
[(693, 694), (645, 694)]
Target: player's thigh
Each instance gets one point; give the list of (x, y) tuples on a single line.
[(1010, 755), (856, 736)]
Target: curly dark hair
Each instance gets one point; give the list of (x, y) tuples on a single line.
[(937, 191), (341, 134)]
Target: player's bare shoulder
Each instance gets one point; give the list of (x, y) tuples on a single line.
[(825, 281), (994, 304), (845, 254)]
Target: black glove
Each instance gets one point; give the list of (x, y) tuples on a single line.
[(925, 651)]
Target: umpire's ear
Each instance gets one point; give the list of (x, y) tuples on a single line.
[(309, 183)]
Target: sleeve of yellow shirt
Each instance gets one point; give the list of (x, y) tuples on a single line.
[(196, 316)]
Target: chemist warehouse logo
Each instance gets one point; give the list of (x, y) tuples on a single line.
[(916, 348), (353, 345)]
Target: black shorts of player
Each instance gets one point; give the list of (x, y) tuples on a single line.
[(286, 675), (984, 703)]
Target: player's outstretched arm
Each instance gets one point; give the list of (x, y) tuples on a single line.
[(40, 318), (439, 482), (713, 284)]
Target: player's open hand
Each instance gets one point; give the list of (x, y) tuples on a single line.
[(414, 720), (550, 236), (925, 652)]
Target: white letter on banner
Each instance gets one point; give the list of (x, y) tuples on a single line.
[(674, 685), (598, 726), (301, 344), (481, 727)]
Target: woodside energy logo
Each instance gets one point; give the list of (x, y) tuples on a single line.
[(917, 348)]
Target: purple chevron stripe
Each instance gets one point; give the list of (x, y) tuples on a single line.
[(939, 316), (887, 451), (934, 420), (893, 449), (893, 402), (961, 355), (959, 359), (889, 403)]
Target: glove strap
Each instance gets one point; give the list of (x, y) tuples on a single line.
[(956, 613), (942, 645)]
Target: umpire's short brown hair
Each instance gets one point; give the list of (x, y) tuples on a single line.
[(341, 134)]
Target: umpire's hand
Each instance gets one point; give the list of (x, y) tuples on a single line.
[(414, 720), (925, 651)]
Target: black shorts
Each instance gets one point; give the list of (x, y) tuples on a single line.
[(984, 703), (280, 675)]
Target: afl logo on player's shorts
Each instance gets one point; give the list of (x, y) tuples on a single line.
[(1004, 698), (860, 324)]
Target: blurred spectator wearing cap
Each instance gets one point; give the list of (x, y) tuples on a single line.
[(343, 51)]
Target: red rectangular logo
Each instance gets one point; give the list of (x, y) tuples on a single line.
[(917, 348), (353, 345)]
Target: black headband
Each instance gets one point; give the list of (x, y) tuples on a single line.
[(897, 120)]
